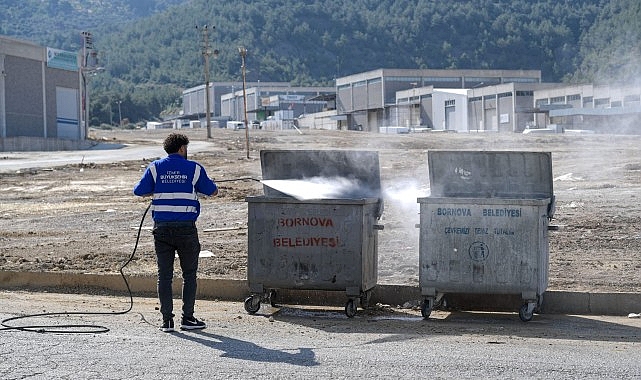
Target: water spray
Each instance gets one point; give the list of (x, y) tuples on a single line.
[(316, 187)]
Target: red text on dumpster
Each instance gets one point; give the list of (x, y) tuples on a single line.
[(308, 241)]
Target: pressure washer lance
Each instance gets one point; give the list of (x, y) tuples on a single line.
[(237, 179)]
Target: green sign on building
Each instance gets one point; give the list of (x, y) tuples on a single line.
[(61, 59)]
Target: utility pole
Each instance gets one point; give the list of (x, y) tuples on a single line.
[(207, 52), (243, 53), (88, 66), (119, 114), (87, 48)]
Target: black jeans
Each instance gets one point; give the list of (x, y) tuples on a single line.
[(169, 238)]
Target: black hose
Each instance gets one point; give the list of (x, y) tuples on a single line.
[(78, 329)]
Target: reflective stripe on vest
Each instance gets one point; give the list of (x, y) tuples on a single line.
[(181, 209)]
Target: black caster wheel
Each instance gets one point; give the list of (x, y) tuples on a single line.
[(525, 313), (272, 298), (252, 304), (426, 308), (350, 308)]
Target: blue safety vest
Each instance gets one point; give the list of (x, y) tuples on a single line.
[(175, 183)]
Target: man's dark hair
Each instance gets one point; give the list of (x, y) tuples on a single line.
[(174, 141)]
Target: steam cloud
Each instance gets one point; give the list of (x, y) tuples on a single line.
[(404, 193)]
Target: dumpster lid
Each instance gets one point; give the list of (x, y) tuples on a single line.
[(321, 173), (502, 174)]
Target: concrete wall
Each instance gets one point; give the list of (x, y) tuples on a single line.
[(451, 118), (40, 144), (320, 120), (24, 97)]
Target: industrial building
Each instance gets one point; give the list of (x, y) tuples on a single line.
[(278, 100), (601, 109), (517, 107), (194, 98), (408, 100), (40, 96), (369, 100), (276, 107), (507, 107), (427, 108)]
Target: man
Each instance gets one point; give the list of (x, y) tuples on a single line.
[(175, 182)]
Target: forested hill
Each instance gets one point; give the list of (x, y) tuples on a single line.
[(152, 43), (57, 23)]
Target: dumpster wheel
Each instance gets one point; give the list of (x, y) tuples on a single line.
[(272, 297), (426, 307), (526, 312), (252, 304), (350, 308)]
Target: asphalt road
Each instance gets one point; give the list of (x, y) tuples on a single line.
[(100, 154), (303, 342)]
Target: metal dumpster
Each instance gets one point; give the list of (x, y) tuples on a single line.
[(308, 242), (484, 226)]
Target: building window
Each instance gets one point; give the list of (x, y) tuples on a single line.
[(541, 102), (504, 94), (557, 100), (416, 80), (442, 79), (601, 103), (483, 79), (574, 97), (525, 93), (631, 101), (450, 103), (520, 80), (616, 103)]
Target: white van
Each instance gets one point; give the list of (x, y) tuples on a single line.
[(235, 125)]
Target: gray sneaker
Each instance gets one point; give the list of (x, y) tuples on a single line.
[(192, 324)]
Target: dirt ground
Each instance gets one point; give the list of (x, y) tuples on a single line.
[(84, 218)]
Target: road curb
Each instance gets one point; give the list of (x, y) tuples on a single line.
[(554, 301)]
